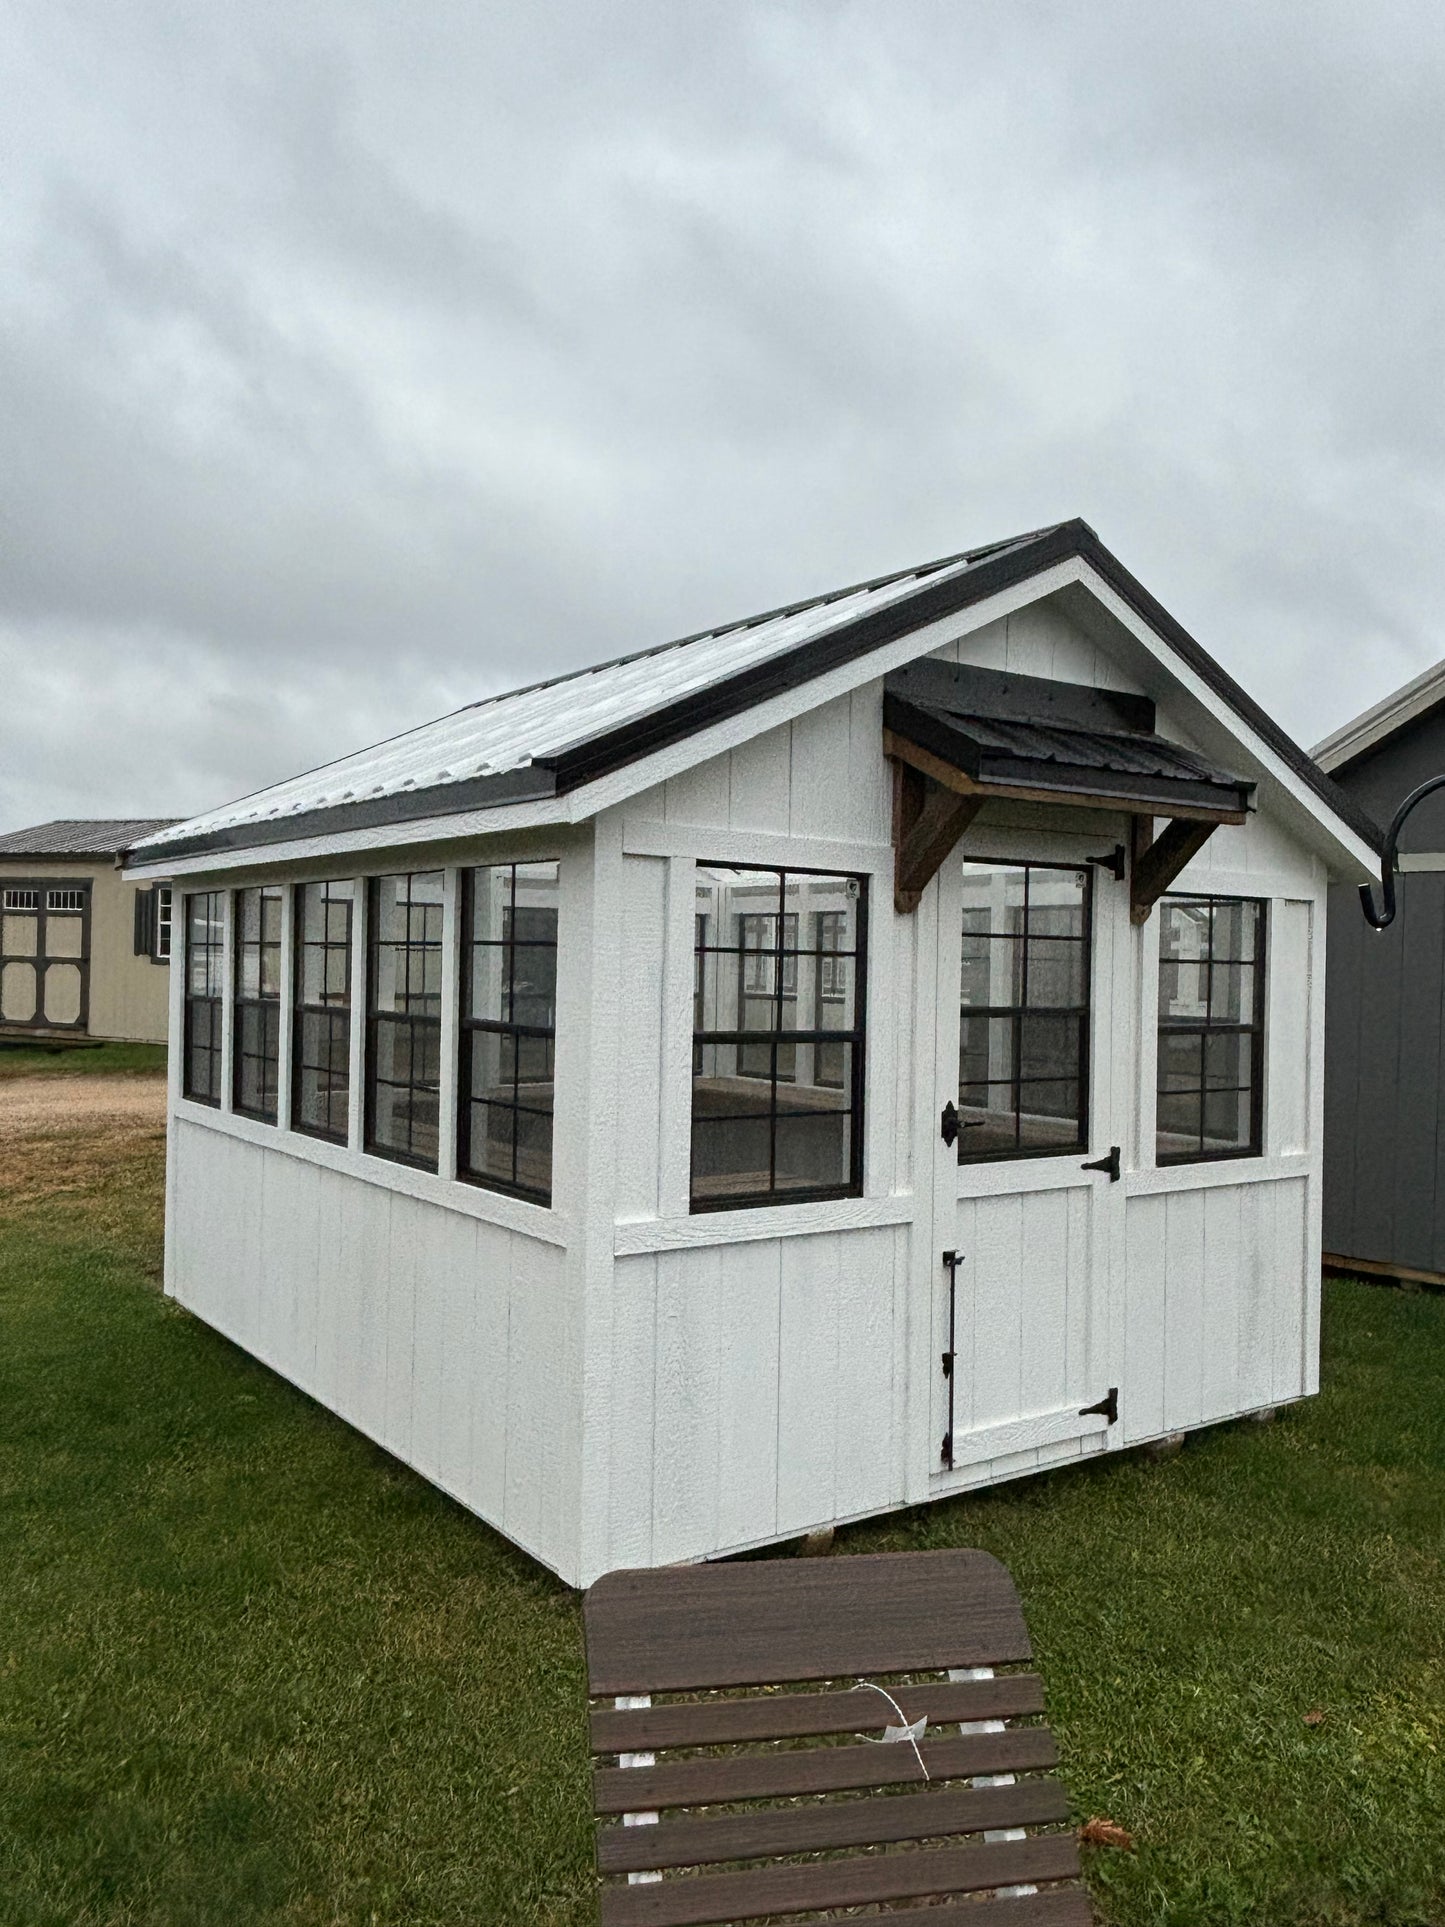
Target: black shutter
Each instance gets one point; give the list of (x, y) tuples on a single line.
[(145, 922)]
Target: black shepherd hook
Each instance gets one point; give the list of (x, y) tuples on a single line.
[(1377, 919)]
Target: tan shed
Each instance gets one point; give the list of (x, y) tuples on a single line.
[(84, 950)]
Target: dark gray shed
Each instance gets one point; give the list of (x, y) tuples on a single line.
[(1384, 1177)]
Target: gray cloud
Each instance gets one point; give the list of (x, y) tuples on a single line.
[(355, 362)]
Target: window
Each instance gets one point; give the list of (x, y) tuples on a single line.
[(201, 1037), (1023, 1054), (1211, 1029), (22, 899), (404, 1017), (509, 1016), (321, 1020), (65, 899), (257, 1002), (777, 1093), (153, 923)]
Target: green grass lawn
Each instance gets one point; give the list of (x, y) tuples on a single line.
[(256, 1672), (23, 1059)]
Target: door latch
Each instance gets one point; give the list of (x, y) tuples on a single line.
[(1109, 1164), (951, 1261), (948, 1123), (1107, 1407)]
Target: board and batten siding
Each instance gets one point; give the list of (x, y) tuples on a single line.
[(436, 1334), (639, 1384), (775, 1370)]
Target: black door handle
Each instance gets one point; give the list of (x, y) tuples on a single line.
[(1109, 1164)]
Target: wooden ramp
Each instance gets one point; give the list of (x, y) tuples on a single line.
[(719, 1802)]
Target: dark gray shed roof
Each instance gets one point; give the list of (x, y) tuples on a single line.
[(76, 837)]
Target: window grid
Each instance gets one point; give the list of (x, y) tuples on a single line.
[(505, 1118), (163, 923), (766, 976), (205, 960), (257, 1003), (1023, 1014), (403, 1035), (321, 1024), (1180, 1094)]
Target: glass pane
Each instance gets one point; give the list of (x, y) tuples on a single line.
[(988, 1122), (1231, 993), (1228, 1060), (1050, 1046), (1183, 988), (1049, 1116), (492, 1142), (1227, 1120), (986, 1049), (1177, 1127), (533, 1130), (534, 983), (730, 1154), (1181, 1060), (1056, 973), (1236, 930), (812, 1152), (1184, 929), (1056, 901)]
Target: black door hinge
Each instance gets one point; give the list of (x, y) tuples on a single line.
[(948, 1123), (1107, 1407), (946, 1449), (947, 1358), (1109, 1164), (1115, 862)]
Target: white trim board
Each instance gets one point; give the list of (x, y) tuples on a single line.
[(469, 1200)]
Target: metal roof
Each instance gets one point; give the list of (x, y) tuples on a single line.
[(1000, 728), (556, 736), (72, 836), (1374, 725), (522, 728)]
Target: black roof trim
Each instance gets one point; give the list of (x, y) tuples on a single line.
[(530, 785), (993, 569)]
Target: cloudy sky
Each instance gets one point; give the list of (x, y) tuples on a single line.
[(357, 360)]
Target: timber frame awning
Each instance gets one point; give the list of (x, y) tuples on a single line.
[(959, 737)]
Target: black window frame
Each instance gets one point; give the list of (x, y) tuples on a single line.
[(1083, 1012), (784, 991), (418, 1023), (1207, 1026), (263, 1011), (213, 1002), (301, 1009), (470, 1027)]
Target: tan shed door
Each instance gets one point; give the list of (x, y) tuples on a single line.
[(44, 954)]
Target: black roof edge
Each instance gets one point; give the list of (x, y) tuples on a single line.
[(988, 577), (530, 785), (996, 570), (1144, 605), (604, 754)]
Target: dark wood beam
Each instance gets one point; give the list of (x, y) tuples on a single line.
[(1157, 864), (927, 821)]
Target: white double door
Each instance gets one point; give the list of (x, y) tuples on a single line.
[(1033, 978)]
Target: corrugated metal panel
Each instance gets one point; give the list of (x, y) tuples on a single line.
[(83, 836), (509, 732)]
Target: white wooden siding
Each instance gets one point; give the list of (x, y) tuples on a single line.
[(1217, 1304), (438, 1335), (756, 1392)]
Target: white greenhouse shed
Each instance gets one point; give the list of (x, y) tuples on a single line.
[(810, 1068)]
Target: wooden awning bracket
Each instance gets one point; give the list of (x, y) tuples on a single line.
[(1157, 862), (927, 821), (933, 805)]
